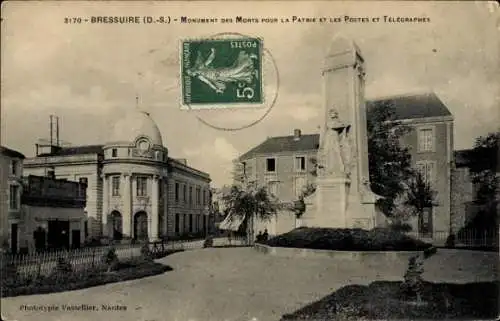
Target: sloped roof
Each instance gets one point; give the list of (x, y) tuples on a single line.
[(76, 150), (11, 153), (285, 144), (413, 106)]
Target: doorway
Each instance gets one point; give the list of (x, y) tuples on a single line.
[(425, 222), (75, 239), (39, 236), (13, 238), (141, 226), (117, 225), (58, 235)]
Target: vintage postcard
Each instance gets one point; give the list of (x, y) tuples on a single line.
[(249, 160)]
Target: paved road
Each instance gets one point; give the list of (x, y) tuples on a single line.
[(238, 284)]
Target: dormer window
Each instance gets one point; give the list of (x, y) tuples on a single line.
[(143, 145), (114, 152)]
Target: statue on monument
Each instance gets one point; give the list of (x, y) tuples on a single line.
[(335, 156)]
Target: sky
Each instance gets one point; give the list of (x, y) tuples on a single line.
[(89, 74)]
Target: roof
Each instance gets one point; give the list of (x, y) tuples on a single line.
[(75, 150), (285, 144), (11, 153), (412, 106), (136, 123)]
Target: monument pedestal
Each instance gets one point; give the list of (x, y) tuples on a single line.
[(335, 205)]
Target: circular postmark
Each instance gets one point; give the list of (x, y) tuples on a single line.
[(231, 115)]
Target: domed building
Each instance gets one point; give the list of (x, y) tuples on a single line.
[(135, 189)]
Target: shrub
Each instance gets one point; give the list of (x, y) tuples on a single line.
[(400, 227), (111, 259), (343, 239), (413, 282), (10, 275), (209, 242)]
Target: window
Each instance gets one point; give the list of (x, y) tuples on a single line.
[(184, 193), (427, 170), (142, 186), (204, 197), (190, 195), (82, 190), (191, 226), (273, 188), (271, 165), (114, 152), (300, 163), (298, 185), (186, 227), (14, 165), (115, 186), (177, 187), (177, 223), (14, 197), (198, 196), (426, 140)]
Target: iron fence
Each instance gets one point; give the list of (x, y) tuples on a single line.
[(33, 265), (463, 238)]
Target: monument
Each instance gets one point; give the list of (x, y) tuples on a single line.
[(343, 197)]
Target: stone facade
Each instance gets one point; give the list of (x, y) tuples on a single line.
[(132, 183), (11, 171), (437, 161)]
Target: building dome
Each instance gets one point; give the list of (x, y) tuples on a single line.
[(134, 125)]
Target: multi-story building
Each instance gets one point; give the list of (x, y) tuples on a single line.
[(11, 172), (53, 214), (135, 189), (284, 163)]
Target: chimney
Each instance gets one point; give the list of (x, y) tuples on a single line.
[(296, 134)]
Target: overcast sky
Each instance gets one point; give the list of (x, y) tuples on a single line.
[(88, 73)]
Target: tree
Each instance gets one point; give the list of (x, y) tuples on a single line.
[(250, 203), (299, 206), (388, 160), (419, 194), (484, 167)]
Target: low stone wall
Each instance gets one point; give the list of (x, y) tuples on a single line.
[(355, 256)]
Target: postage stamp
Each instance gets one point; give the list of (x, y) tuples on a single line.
[(221, 71)]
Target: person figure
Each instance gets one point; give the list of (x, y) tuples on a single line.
[(242, 70), (265, 236), (259, 237), (335, 154)]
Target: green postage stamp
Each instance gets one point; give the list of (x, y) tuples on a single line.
[(221, 71)]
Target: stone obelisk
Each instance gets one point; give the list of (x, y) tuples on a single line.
[(343, 197)]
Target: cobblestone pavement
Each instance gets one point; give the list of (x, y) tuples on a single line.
[(237, 284)]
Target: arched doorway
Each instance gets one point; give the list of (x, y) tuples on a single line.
[(116, 225), (141, 226)]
